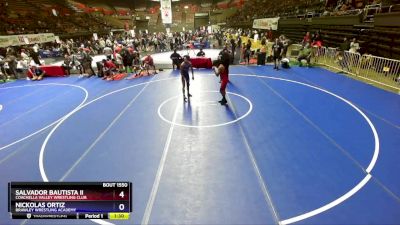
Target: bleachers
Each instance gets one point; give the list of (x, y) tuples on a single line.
[(377, 40), (23, 16)]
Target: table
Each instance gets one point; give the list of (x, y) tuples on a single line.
[(201, 62), (51, 71)]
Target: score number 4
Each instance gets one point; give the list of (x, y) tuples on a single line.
[(121, 206)]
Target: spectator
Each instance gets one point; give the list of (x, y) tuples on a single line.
[(176, 60), (108, 52), (37, 73), (317, 40), (35, 56), (67, 64), (128, 58), (285, 44), (109, 69), (269, 35), (102, 44), (345, 46), (118, 60), (341, 57), (11, 60), (247, 52), (24, 56), (136, 58), (277, 50), (76, 63), (263, 52), (233, 48), (3, 72), (201, 53), (148, 63), (306, 39), (305, 53), (86, 61), (354, 46)]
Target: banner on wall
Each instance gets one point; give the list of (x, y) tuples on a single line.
[(166, 11), (26, 39), (266, 23)]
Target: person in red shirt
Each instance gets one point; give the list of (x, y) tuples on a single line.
[(148, 63), (109, 69), (223, 72), (269, 34)]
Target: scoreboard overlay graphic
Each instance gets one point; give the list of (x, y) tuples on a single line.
[(70, 200)]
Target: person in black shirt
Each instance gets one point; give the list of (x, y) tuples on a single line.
[(233, 49), (277, 50), (345, 46), (35, 56), (176, 59), (247, 52), (128, 60), (201, 53)]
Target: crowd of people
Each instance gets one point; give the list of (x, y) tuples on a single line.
[(44, 21), (123, 53), (263, 9)]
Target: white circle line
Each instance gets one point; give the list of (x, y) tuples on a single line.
[(371, 125), (1, 107), (42, 149), (51, 124), (328, 206), (371, 165), (206, 126)]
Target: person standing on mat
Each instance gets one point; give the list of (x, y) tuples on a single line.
[(185, 66), (247, 52), (277, 51), (223, 72)]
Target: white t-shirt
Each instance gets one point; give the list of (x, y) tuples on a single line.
[(256, 37), (107, 51), (118, 58), (24, 56), (36, 48), (354, 47), (102, 43)]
